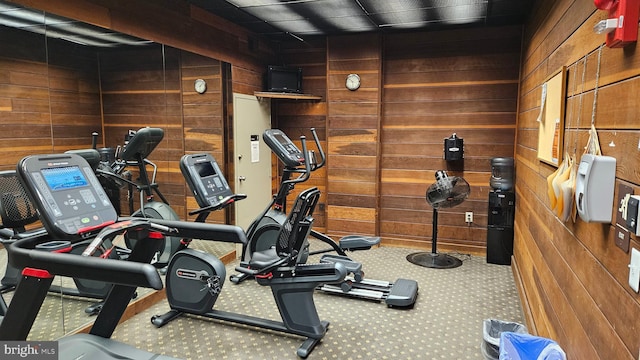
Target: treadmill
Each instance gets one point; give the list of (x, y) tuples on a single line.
[(74, 207)]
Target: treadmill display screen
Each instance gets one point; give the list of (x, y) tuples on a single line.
[(64, 178), (204, 169)]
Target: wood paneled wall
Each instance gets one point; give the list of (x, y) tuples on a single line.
[(385, 141), (203, 115), (142, 87), (436, 84), (573, 277), (297, 117), (49, 99), (74, 88), (150, 99), (353, 135), (370, 135)]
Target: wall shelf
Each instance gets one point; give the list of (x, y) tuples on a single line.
[(282, 95)]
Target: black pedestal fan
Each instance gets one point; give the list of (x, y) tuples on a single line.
[(446, 192)]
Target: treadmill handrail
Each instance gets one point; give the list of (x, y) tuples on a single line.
[(22, 254)]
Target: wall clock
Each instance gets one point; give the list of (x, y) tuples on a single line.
[(201, 86), (353, 82)]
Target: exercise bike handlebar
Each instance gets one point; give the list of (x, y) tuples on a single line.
[(183, 229), (115, 176), (228, 200), (276, 263), (197, 230)]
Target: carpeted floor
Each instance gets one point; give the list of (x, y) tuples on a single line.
[(445, 323)]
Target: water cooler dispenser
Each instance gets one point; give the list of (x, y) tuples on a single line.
[(501, 212)]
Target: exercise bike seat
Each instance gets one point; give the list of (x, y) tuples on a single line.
[(264, 258), (358, 242), (292, 238)]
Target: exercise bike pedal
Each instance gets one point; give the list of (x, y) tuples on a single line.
[(238, 278), (353, 267)]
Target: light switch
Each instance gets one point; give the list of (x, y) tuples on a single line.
[(634, 270)]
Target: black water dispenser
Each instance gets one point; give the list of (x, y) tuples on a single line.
[(501, 212), (500, 227)]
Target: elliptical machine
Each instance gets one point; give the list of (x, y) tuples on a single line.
[(194, 278), (261, 233), (138, 146)]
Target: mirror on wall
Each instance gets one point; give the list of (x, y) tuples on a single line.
[(62, 80)]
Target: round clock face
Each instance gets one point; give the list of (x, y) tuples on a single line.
[(200, 86), (353, 82)]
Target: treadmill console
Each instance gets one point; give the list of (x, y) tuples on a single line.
[(283, 147), (70, 200), (205, 179)]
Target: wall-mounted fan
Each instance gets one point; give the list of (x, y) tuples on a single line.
[(446, 192)]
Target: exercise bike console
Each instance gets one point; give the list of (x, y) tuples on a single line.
[(65, 188), (205, 179)]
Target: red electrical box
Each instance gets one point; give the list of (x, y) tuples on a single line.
[(624, 15)]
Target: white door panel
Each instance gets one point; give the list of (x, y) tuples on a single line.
[(252, 161)]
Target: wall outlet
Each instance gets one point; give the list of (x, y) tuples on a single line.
[(634, 270), (468, 216)]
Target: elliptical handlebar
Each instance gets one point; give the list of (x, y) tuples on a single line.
[(323, 157), (94, 140)]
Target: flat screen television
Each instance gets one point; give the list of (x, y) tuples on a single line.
[(284, 79)]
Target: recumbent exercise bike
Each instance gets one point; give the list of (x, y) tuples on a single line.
[(194, 278)]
